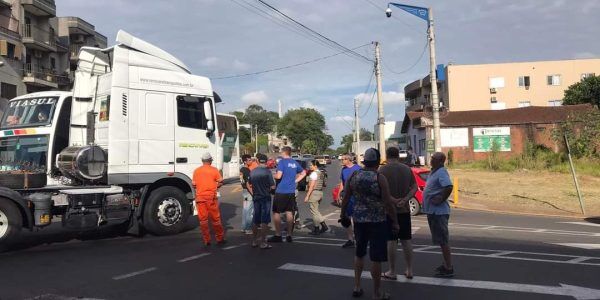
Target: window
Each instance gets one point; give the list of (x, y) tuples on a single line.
[(524, 103), (586, 75), (29, 112), (190, 112), (524, 81), (493, 100), (10, 50), (555, 103), (553, 79), (422, 146), (8, 91), (53, 64)]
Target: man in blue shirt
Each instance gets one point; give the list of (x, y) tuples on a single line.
[(435, 205), (260, 184), (289, 172), (347, 170)]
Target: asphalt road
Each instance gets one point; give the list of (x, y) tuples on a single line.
[(496, 256)]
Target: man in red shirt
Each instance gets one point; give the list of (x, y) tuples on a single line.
[(207, 180)]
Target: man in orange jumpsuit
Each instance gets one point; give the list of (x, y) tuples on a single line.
[(206, 181)]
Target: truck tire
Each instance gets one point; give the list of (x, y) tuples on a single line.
[(166, 211), (11, 222), (415, 207)]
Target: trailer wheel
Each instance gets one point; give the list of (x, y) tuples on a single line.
[(166, 211), (11, 221)]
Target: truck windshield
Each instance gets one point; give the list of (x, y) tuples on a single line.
[(29, 112), (26, 153)]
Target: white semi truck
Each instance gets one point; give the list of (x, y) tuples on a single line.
[(120, 149)]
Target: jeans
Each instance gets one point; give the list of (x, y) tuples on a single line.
[(247, 210)]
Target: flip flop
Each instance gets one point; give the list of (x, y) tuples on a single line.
[(265, 247), (408, 277), (385, 275), (358, 293)]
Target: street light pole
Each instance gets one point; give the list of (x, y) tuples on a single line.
[(427, 15), (356, 128), (435, 100), (380, 115)]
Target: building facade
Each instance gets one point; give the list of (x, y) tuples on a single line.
[(472, 134), (502, 85), (36, 47)]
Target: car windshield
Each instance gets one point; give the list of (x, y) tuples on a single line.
[(23, 153), (29, 112), (424, 175), (307, 156)]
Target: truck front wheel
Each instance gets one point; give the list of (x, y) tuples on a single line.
[(10, 221), (166, 211)]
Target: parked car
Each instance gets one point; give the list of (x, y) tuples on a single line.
[(403, 153), (416, 202), (308, 156), (295, 156), (327, 159), (304, 183), (321, 159)]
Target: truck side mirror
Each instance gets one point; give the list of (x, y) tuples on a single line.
[(208, 111), (210, 126)]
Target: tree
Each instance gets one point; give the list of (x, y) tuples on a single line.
[(585, 91), (365, 135), (583, 132), (304, 124), (347, 141), (309, 146), (256, 115)]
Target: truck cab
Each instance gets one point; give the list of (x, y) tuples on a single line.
[(120, 148)]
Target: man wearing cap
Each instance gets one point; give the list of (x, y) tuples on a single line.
[(261, 184), (207, 180)]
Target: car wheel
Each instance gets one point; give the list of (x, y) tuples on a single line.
[(11, 222), (166, 211), (415, 207)]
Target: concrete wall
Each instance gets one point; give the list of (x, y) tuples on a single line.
[(537, 134)]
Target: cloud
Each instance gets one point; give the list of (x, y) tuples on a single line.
[(239, 65), (583, 55), (308, 104), (255, 97), (342, 119), (210, 61), (388, 98)]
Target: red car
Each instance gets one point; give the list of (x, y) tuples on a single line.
[(415, 203)]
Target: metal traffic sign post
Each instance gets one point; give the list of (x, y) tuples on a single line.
[(581, 203)]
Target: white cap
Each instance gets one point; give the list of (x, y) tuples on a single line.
[(206, 156)]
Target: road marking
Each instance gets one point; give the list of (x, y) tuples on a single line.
[(579, 245), (520, 229), (581, 223), (580, 293), (193, 257), (132, 274), (483, 253), (324, 217), (59, 297), (234, 246)]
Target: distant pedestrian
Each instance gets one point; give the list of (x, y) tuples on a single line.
[(410, 157), (372, 203), (402, 186), (261, 184), (435, 205), (314, 195), (349, 167), (207, 180), (247, 204), (289, 172)]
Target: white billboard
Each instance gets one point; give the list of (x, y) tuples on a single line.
[(455, 137)]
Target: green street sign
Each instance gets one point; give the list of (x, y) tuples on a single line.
[(430, 146)]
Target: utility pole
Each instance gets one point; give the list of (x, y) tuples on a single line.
[(356, 128), (256, 139), (380, 115), (435, 100)]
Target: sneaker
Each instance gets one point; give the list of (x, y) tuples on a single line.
[(288, 239), (443, 272), (348, 244), (316, 231), (324, 227), (275, 239), (248, 232)]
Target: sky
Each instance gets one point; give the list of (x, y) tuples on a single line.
[(220, 38)]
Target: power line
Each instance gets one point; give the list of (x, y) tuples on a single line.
[(289, 66), (409, 68), (321, 36), (370, 103)]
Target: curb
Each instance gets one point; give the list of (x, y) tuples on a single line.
[(520, 213)]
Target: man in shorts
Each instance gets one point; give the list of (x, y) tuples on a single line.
[(260, 185), (435, 205), (289, 172), (403, 186)]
